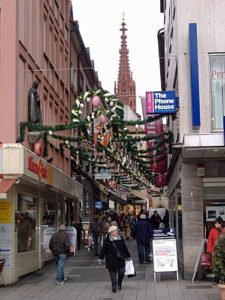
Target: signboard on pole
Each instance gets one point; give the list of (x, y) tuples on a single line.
[(162, 102)]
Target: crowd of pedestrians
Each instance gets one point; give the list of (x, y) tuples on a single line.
[(126, 222), (109, 244)]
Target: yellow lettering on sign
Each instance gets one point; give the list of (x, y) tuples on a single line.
[(5, 212)]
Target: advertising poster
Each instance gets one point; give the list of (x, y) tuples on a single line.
[(47, 234), (72, 233), (5, 212), (165, 255), (6, 244), (6, 232)]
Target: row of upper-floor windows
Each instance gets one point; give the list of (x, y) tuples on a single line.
[(59, 81), (43, 35), (55, 49), (217, 91), (60, 10)]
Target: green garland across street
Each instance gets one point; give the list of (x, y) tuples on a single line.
[(122, 147)]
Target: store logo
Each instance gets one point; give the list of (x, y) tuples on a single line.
[(37, 167)]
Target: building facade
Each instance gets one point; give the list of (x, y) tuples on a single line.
[(83, 78), (37, 190), (194, 53)]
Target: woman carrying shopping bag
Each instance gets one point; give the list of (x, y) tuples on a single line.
[(115, 252)]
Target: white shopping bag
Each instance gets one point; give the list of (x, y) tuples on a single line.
[(129, 268)]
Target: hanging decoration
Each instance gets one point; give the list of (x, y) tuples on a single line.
[(123, 151)]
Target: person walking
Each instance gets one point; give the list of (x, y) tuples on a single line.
[(96, 230), (165, 219), (143, 234), (115, 252), (155, 220), (126, 225), (60, 246)]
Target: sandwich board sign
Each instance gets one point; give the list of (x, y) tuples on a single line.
[(165, 251)]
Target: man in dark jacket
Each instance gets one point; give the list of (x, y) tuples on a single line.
[(143, 234), (60, 245), (96, 229)]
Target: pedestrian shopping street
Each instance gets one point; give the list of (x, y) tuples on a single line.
[(89, 281)]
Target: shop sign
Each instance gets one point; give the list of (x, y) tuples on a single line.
[(37, 167), (162, 102), (164, 233), (103, 174), (101, 205)]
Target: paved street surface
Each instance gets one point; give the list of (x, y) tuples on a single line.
[(89, 281)]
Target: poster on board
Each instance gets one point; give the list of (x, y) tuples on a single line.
[(6, 232), (165, 255), (48, 232), (72, 233)]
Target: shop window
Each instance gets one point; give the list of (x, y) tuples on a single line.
[(60, 212), (49, 213), (25, 218), (217, 76), (214, 206)]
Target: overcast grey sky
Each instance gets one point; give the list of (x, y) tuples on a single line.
[(99, 23)]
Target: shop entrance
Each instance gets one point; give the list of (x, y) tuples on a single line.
[(213, 205)]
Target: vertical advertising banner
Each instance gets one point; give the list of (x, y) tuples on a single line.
[(158, 164)]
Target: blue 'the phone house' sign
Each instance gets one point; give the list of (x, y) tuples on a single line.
[(163, 102)]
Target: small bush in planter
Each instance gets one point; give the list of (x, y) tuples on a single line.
[(219, 258)]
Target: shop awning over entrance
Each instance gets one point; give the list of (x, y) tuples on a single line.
[(5, 185)]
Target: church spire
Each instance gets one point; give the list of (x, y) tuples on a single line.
[(125, 89)]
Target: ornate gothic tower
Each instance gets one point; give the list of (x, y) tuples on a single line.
[(125, 88)]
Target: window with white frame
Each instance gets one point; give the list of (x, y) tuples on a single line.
[(217, 77)]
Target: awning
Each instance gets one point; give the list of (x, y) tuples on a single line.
[(5, 185)]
